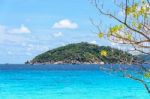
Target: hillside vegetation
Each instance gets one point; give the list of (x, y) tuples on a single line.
[(81, 53)]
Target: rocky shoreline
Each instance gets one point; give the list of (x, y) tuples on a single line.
[(62, 62)]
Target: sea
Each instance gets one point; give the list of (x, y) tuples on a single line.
[(65, 82)]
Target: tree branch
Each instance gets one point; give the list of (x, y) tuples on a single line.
[(126, 15), (114, 17), (139, 80)]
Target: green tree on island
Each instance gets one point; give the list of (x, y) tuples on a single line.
[(132, 29)]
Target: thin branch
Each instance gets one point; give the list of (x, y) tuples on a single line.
[(108, 14), (148, 2), (139, 80), (126, 15)]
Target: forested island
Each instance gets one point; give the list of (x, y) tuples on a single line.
[(80, 53)]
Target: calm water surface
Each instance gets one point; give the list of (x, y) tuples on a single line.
[(49, 82)]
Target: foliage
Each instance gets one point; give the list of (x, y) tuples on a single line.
[(103, 53), (131, 29), (81, 52), (147, 74)]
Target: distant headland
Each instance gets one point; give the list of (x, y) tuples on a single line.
[(80, 53)]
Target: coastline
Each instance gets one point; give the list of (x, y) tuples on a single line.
[(61, 63)]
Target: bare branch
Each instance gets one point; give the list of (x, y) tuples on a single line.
[(139, 80), (126, 15)]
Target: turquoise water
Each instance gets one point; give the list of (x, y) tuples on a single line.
[(67, 84)]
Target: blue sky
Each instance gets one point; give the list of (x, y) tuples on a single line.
[(30, 27)]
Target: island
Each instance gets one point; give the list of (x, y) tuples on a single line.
[(80, 53)]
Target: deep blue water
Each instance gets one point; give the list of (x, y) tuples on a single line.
[(65, 82)]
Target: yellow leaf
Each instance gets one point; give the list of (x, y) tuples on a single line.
[(103, 53)]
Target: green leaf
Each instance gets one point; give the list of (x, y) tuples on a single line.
[(100, 35), (135, 15), (116, 28), (108, 34), (129, 36), (133, 23), (139, 26), (143, 2), (147, 74), (145, 15), (128, 10), (134, 7)]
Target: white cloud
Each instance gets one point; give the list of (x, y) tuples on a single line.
[(58, 34), (35, 47), (93, 42), (6, 36), (21, 30), (65, 24)]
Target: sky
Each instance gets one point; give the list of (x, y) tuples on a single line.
[(31, 27)]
